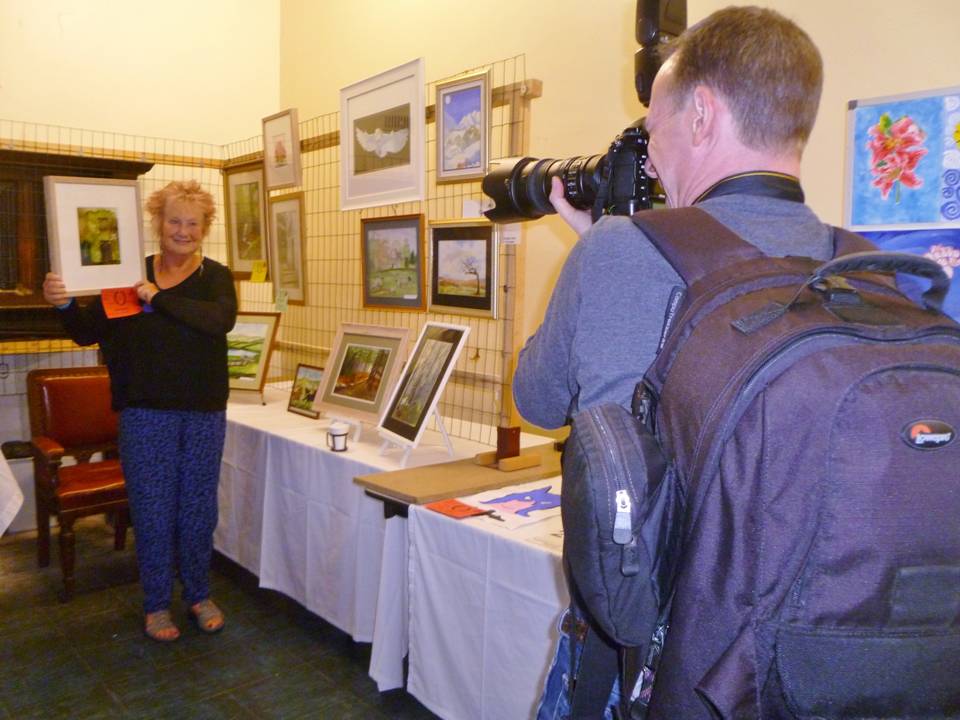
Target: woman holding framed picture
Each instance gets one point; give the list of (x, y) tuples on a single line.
[(168, 373)]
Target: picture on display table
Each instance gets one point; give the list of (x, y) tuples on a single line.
[(303, 394), (249, 346), (361, 370), (422, 383)]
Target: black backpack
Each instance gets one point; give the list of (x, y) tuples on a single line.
[(807, 412)]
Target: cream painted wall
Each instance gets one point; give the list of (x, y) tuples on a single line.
[(197, 70), (583, 52)]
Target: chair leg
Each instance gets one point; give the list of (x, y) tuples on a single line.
[(120, 523), (67, 541), (43, 537)]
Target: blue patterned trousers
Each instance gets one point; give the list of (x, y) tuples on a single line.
[(171, 462)]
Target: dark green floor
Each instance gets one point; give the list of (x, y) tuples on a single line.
[(88, 658)]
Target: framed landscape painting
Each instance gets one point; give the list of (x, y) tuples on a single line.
[(463, 267), (281, 150), (393, 265), (306, 384), (361, 369), (287, 247), (249, 345), (463, 127), (95, 232), (244, 197), (382, 138), (422, 383)]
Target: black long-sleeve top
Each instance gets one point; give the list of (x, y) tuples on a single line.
[(173, 358)]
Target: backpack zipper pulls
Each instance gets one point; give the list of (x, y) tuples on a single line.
[(622, 524)]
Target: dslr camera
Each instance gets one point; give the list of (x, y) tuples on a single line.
[(614, 183)]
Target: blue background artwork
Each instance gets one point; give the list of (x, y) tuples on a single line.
[(524, 503), (916, 205), (462, 128), (943, 244)]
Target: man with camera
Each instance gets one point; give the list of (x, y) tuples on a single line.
[(730, 112)]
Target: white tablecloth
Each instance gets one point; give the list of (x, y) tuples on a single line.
[(291, 513), (484, 604), (11, 498)]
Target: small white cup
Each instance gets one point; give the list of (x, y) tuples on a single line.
[(337, 436)]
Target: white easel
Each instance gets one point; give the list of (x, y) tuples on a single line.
[(388, 443)]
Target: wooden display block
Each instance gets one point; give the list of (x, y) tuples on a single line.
[(419, 485)]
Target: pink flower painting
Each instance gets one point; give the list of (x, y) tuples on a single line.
[(895, 150)]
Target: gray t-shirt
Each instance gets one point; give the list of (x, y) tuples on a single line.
[(603, 324)]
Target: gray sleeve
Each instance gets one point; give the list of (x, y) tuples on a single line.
[(543, 387)]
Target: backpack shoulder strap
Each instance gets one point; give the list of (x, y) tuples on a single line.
[(692, 241), (846, 242)]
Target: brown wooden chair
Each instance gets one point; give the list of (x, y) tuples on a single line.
[(70, 415)]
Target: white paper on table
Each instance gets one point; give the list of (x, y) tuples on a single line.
[(520, 505)]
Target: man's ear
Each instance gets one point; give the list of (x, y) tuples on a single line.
[(704, 106)]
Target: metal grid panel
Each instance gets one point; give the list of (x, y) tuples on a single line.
[(472, 403)]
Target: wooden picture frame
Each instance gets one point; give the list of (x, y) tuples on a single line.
[(393, 263), (245, 215), (463, 267), (361, 394), (95, 232), (281, 150), (463, 127), (249, 346), (288, 247), (416, 395), (382, 129), (303, 393)]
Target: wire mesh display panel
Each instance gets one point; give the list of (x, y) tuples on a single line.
[(475, 400), (472, 404)]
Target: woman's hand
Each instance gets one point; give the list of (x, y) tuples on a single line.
[(54, 290), (146, 290), (579, 220)]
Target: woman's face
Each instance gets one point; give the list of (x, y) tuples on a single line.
[(182, 228)]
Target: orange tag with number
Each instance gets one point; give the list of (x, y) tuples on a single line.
[(120, 302)]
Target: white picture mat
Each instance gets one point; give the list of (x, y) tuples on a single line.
[(91, 279), (285, 125), (397, 388), (401, 85)]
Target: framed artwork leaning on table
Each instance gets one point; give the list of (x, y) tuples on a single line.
[(361, 370), (422, 383), (249, 346), (306, 385)]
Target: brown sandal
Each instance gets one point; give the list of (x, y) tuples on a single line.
[(157, 627), (207, 617)]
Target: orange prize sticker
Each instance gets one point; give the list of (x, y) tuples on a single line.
[(120, 302)]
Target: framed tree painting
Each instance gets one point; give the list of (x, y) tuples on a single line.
[(95, 232), (245, 200), (463, 127), (361, 370), (382, 138), (281, 150), (287, 247), (463, 267), (422, 382), (306, 384), (249, 346), (393, 266)]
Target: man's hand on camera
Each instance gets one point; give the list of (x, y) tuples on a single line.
[(579, 220)]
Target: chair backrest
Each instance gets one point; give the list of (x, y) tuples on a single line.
[(71, 405)]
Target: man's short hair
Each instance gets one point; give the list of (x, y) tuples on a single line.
[(766, 68)]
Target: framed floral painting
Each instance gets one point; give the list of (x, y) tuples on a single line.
[(281, 150)]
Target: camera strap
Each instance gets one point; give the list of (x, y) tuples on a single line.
[(767, 184)]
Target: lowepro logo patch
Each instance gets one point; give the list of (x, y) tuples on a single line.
[(928, 434)]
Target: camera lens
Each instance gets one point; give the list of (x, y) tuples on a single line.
[(520, 187)]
